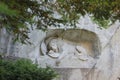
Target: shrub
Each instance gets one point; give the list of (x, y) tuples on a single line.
[(24, 69)]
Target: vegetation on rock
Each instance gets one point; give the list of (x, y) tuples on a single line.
[(24, 69), (16, 15)]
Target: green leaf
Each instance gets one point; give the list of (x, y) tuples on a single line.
[(6, 11)]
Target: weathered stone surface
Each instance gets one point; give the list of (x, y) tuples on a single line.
[(84, 53), (73, 48), (7, 46)]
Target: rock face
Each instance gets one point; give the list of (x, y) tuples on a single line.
[(84, 53), (7, 46), (73, 48)]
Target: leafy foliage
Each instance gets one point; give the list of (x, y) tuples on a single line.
[(24, 70), (101, 10), (15, 15)]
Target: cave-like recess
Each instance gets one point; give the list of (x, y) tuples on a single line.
[(87, 39)]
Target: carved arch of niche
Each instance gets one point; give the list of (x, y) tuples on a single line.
[(87, 39)]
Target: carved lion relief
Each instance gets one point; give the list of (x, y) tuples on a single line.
[(64, 48)]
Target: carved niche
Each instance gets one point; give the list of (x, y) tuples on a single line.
[(71, 48)]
